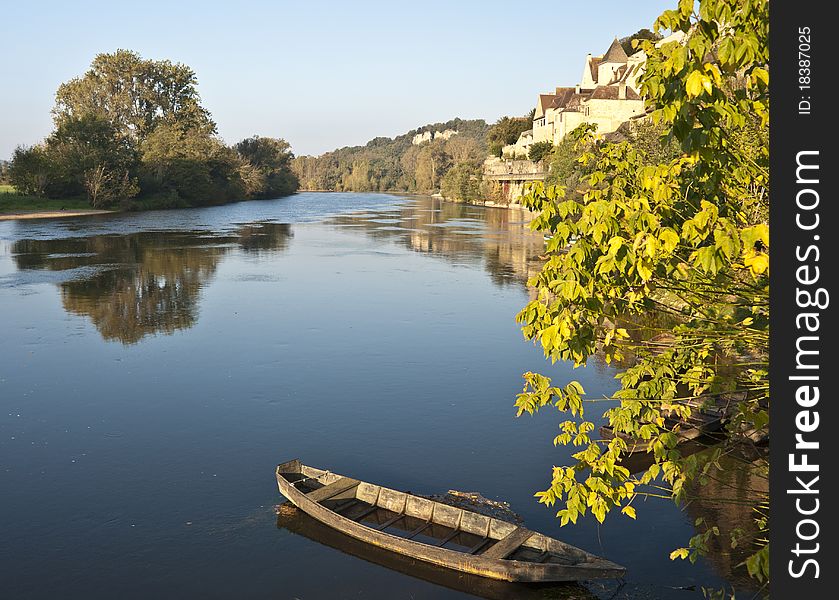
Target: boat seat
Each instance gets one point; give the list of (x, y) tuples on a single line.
[(509, 544), (332, 489)]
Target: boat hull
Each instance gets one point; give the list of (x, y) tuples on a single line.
[(502, 569)]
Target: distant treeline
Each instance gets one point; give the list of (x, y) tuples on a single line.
[(395, 164), (451, 165), (132, 132)]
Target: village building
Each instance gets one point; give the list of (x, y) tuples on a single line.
[(607, 96)]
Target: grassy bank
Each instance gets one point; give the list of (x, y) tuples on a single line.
[(12, 202)]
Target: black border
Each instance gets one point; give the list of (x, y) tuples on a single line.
[(791, 133)]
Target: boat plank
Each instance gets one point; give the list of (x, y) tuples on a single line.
[(390, 521), (509, 544), (366, 512), (333, 489), (479, 546), (448, 538), (418, 530)]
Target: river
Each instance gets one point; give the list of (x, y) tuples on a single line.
[(155, 367)]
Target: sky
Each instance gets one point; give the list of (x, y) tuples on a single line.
[(322, 75)]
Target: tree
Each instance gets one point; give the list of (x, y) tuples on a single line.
[(30, 169), (564, 168), (358, 180), (135, 95), (686, 238), (640, 35), (432, 163), (465, 149), (540, 150), (131, 126), (506, 131), (266, 167), (191, 163), (462, 183), (87, 155), (5, 177)]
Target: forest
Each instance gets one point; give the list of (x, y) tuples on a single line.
[(451, 165)]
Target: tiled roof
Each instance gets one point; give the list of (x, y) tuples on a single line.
[(611, 92), (592, 66), (561, 97), (615, 53)]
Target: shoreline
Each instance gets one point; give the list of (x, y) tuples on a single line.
[(437, 195), (53, 214)]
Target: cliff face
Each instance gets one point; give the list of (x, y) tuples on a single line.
[(428, 136)]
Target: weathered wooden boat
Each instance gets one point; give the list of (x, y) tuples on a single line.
[(709, 415), (434, 532), (685, 430)]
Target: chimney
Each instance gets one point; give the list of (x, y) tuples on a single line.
[(577, 89), (622, 91)]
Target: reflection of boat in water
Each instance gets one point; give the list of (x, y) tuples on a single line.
[(296, 521), (437, 533)]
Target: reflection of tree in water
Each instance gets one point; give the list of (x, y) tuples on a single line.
[(729, 500), (142, 283), (495, 237), (263, 237)]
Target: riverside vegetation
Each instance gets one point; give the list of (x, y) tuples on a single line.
[(132, 133), (675, 226), (451, 166)]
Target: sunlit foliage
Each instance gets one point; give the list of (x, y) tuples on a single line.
[(685, 237)]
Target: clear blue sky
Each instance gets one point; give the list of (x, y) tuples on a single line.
[(320, 74)]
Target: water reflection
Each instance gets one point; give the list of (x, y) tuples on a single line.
[(299, 523), (730, 500), (498, 238), (144, 283)]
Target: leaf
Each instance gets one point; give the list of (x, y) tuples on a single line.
[(705, 259), (679, 553), (669, 239), (758, 264), (752, 235), (628, 511), (761, 74), (696, 83)]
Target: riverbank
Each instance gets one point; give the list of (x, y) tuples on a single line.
[(51, 214), (487, 203), (436, 196), (15, 206)]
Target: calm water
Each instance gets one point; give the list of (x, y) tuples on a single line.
[(155, 367)]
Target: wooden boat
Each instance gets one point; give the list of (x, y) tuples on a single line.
[(686, 431), (434, 532), (709, 415)]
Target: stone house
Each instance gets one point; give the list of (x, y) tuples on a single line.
[(607, 95)]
